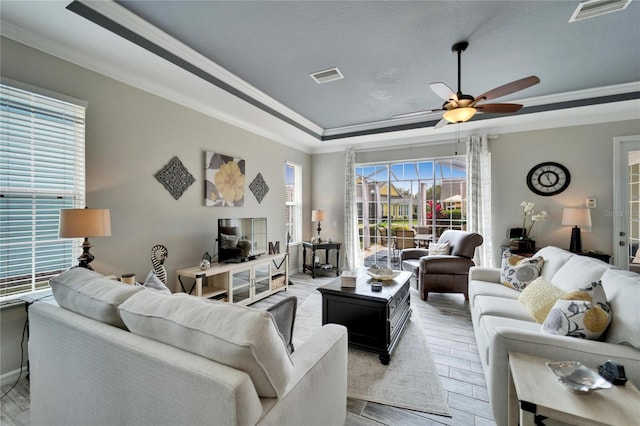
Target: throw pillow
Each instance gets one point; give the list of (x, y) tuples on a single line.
[(518, 271), (284, 314), (439, 248), (583, 313), (152, 282), (539, 297)]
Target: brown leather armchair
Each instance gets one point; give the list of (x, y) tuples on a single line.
[(447, 273)]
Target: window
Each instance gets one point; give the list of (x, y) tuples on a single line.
[(426, 195), (293, 201), (41, 171)]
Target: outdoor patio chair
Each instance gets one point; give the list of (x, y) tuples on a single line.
[(404, 238)]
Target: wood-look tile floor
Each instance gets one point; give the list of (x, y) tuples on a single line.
[(447, 324)]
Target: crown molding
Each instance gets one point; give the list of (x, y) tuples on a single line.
[(137, 25)]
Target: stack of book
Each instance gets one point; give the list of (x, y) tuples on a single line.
[(348, 278)]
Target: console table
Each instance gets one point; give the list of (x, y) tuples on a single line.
[(316, 267), (374, 320), (242, 283)]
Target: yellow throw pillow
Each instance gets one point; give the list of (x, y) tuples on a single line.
[(539, 297)]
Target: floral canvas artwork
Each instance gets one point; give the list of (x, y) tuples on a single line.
[(224, 180)]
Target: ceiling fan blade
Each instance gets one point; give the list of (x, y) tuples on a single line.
[(441, 124), (498, 108), (443, 91), (416, 113), (508, 88)]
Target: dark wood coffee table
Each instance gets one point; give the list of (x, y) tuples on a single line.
[(374, 320)]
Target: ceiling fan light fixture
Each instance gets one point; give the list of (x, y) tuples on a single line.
[(459, 115)]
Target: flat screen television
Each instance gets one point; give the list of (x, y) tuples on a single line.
[(241, 239)]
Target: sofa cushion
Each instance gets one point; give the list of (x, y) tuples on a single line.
[(488, 326), (517, 271), (479, 288), (577, 271), (539, 297), (583, 313), (89, 293), (554, 259), (501, 307), (623, 293), (411, 265), (243, 338)]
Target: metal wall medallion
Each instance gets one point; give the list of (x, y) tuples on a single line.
[(259, 187), (175, 177)]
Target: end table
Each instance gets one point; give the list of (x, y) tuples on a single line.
[(315, 267), (534, 390)]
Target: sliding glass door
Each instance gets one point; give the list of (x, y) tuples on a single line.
[(408, 204)]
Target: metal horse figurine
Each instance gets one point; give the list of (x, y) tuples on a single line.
[(159, 254)]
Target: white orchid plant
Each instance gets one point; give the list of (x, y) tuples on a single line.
[(529, 212)]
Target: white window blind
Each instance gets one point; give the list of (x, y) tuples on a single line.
[(293, 201), (42, 170)]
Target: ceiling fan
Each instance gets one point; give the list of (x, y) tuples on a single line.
[(459, 107)]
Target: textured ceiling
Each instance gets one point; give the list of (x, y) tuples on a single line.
[(389, 51)]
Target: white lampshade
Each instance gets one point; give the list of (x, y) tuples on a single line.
[(83, 223), (459, 115), (576, 217), (318, 215)]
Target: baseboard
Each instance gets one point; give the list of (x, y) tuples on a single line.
[(10, 377)]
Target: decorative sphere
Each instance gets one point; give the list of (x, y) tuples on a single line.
[(205, 264)]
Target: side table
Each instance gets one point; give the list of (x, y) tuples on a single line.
[(45, 296), (597, 255), (537, 391), (313, 266)]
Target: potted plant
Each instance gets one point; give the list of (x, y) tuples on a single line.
[(526, 243)]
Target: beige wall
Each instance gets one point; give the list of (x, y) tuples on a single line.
[(131, 135), (587, 151)]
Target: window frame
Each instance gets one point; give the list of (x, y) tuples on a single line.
[(42, 169), (293, 202)]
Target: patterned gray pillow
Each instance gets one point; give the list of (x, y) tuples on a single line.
[(518, 271), (584, 313)]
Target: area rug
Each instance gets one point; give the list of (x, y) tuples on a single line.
[(410, 381)]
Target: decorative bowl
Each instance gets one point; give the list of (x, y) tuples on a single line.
[(578, 378), (382, 274)]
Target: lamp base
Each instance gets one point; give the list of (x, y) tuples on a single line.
[(86, 258), (576, 243)]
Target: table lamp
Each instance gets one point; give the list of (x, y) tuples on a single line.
[(576, 217), (318, 216), (85, 223)]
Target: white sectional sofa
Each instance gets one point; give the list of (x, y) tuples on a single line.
[(185, 361), (502, 323)]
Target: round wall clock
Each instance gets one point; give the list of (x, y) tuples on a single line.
[(548, 178)]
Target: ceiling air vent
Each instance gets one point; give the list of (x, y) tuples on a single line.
[(593, 8), (326, 76)]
